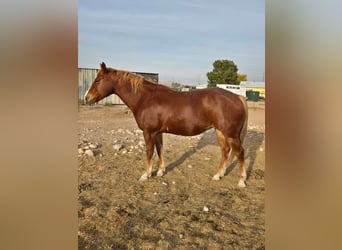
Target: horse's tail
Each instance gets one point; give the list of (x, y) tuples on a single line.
[(243, 130)]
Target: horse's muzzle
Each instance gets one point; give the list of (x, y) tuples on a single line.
[(88, 100)]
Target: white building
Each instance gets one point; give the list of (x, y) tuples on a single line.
[(237, 89), (202, 86), (255, 86)]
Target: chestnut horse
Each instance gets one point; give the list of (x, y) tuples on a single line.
[(158, 109)]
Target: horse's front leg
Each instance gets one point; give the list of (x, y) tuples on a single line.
[(150, 140), (159, 147)]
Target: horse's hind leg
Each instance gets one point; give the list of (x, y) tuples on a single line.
[(159, 147), (239, 152), (150, 140), (225, 158)]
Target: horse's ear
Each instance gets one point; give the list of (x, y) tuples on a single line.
[(103, 67)]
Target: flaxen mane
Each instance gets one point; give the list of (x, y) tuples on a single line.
[(135, 80)]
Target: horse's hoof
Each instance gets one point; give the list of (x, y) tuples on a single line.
[(241, 184), (216, 177), (144, 177), (160, 173)]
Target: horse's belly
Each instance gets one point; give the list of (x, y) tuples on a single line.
[(185, 129)]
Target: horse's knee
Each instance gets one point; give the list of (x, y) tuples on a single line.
[(238, 150), (241, 157)]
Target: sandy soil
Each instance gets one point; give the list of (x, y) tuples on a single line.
[(184, 209)]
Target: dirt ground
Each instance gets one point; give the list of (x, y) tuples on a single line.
[(184, 209)]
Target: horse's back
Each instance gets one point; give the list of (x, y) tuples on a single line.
[(171, 96), (200, 101)]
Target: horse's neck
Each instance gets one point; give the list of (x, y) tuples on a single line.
[(129, 96)]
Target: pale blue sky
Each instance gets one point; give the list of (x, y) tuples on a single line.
[(177, 39)]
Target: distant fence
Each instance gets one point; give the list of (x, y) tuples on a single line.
[(86, 77)]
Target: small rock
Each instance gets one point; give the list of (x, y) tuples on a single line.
[(261, 149), (92, 146), (189, 166), (205, 209), (89, 152), (206, 158), (80, 151), (118, 146), (137, 131), (129, 132), (164, 183), (141, 143), (84, 140), (173, 182), (181, 236)]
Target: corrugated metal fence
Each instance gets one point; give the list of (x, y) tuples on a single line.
[(86, 77)]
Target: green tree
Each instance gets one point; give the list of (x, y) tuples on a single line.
[(224, 72), (175, 85), (242, 77)]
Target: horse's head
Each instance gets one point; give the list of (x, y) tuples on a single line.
[(101, 87)]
